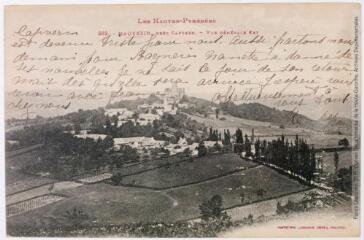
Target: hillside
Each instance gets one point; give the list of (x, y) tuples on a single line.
[(335, 125), (250, 111), (260, 112)]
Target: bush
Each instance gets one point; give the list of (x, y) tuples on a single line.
[(153, 229), (344, 142), (116, 179), (211, 210), (202, 150), (77, 217)]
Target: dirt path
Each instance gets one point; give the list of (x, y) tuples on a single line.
[(174, 201)]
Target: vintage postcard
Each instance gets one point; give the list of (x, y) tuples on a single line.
[(182, 120)]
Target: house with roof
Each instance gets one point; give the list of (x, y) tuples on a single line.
[(92, 136), (138, 142), (212, 143), (121, 113), (145, 118)]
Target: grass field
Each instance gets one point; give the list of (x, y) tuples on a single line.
[(189, 172), (102, 202), (231, 187), (17, 181), (28, 205), (117, 204), (147, 165), (20, 161)]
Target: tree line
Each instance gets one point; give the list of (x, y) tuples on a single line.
[(296, 157)]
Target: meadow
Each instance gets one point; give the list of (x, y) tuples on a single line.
[(106, 204), (187, 172)]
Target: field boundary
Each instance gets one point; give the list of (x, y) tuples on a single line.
[(23, 150), (168, 164), (256, 201), (31, 188), (300, 179), (42, 195), (60, 196), (154, 168)]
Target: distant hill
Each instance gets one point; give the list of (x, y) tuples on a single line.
[(260, 112), (250, 111), (335, 125)]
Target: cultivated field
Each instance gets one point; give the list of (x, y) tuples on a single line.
[(94, 179), (105, 203), (187, 172), (28, 205), (102, 202), (148, 165), (231, 188)]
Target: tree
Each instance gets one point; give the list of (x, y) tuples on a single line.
[(210, 133), (108, 123), (211, 209), (227, 137), (214, 219), (114, 120), (214, 135), (77, 128), (187, 153), (344, 142), (116, 179), (202, 150), (217, 111), (129, 153), (336, 161), (108, 142), (239, 136), (257, 149), (97, 120), (135, 116)]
